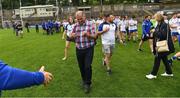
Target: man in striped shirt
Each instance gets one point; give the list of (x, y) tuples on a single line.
[(84, 35)]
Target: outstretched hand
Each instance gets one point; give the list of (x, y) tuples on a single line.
[(47, 76)]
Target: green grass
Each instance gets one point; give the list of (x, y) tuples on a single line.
[(129, 68)]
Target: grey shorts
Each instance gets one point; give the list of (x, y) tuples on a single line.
[(108, 48)]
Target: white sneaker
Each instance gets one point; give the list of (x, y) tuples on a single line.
[(150, 76), (167, 75), (64, 58)]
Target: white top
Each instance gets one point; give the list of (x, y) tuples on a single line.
[(135, 25), (69, 29), (109, 37), (166, 21), (179, 25), (126, 22), (122, 25), (65, 24), (174, 22), (99, 21), (131, 24), (59, 23), (116, 21)]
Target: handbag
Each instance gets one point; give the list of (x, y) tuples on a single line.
[(162, 46)]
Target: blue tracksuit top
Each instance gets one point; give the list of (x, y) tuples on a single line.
[(146, 27), (50, 24), (13, 78)]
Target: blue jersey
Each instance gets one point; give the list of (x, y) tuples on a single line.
[(12, 78), (45, 25), (146, 27), (50, 24)]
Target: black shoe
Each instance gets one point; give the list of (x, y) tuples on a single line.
[(86, 89), (104, 63), (140, 50), (109, 71), (82, 84)]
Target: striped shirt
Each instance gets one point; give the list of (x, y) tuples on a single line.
[(82, 42)]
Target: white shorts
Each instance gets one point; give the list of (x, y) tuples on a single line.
[(108, 48), (20, 32)]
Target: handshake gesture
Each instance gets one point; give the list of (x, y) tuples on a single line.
[(47, 76)]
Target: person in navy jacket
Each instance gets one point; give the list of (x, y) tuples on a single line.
[(13, 78), (146, 35)]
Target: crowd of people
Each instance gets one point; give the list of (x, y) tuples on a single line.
[(84, 33)]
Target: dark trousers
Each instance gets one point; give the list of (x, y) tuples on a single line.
[(85, 58), (27, 30), (157, 61)]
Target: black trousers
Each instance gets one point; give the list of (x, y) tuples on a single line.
[(85, 58), (157, 61)]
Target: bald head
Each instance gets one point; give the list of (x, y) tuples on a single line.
[(80, 16), (80, 13)]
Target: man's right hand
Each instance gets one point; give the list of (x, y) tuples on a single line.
[(106, 30), (73, 35), (47, 76)]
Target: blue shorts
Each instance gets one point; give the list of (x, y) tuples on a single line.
[(174, 33), (123, 31), (131, 31), (135, 30), (145, 38)]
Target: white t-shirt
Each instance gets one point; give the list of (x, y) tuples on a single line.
[(174, 22), (109, 37), (179, 25), (116, 21), (166, 21), (135, 25), (65, 24), (122, 25), (131, 24), (126, 22), (69, 29)]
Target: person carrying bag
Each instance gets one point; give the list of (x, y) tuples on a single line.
[(162, 47)]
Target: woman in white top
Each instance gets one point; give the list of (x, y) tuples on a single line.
[(122, 28), (67, 32), (173, 23)]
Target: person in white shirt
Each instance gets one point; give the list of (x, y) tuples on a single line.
[(99, 21), (135, 29), (116, 20), (127, 28), (67, 33), (173, 22), (118, 35), (130, 28), (108, 30), (166, 19), (122, 29), (65, 23)]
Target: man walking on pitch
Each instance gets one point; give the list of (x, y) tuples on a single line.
[(84, 35), (107, 30)]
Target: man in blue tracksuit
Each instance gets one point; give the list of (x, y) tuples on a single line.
[(13, 78), (146, 35), (50, 27)]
